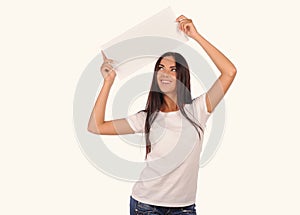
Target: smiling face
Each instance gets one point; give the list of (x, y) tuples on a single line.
[(166, 75)]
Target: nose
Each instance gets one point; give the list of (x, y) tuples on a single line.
[(166, 72)]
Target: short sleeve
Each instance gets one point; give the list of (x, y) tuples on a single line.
[(199, 104), (137, 121)]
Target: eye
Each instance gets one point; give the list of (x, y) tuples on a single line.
[(160, 67), (173, 70)]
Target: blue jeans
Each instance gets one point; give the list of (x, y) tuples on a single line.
[(140, 208)]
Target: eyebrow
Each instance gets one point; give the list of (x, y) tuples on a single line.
[(164, 66)]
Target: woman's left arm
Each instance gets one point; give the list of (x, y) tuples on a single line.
[(227, 69)]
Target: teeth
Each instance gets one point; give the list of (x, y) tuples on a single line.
[(166, 82)]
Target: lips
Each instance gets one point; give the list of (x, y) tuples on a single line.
[(163, 81)]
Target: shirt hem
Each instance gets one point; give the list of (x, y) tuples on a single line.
[(163, 204)]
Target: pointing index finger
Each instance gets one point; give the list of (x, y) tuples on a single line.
[(103, 55)]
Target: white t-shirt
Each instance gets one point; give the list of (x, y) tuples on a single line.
[(171, 174)]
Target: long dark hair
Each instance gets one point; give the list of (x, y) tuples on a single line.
[(155, 97)]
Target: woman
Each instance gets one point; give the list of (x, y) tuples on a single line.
[(169, 106)]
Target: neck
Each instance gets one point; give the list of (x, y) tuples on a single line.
[(170, 103)]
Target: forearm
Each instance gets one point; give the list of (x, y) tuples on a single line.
[(220, 60), (98, 114)]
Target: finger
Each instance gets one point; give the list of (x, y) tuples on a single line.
[(179, 27), (109, 61), (107, 64), (186, 29), (182, 20), (181, 17), (107, 70), (103, 55), (106, 67), (185, 23), (105, 59), (182, 24)]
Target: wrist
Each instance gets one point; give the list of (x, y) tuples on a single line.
[(196, 36), (108, 83)]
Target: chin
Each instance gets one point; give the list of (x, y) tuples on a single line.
[(168, 91)]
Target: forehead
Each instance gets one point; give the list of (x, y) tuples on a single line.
[(168, 61)]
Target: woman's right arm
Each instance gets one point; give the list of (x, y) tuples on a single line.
[(97, 123)]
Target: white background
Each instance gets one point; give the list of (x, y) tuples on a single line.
[(46, 45)]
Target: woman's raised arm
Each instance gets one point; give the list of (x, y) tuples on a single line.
[(227, 69), (97, 123)]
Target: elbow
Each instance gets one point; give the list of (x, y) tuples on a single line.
[(90, 130), (93, 130), (232, 72)]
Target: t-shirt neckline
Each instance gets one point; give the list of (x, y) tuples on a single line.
[(169, 113)]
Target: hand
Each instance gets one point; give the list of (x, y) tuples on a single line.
[(186, 25), (107, 69)]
